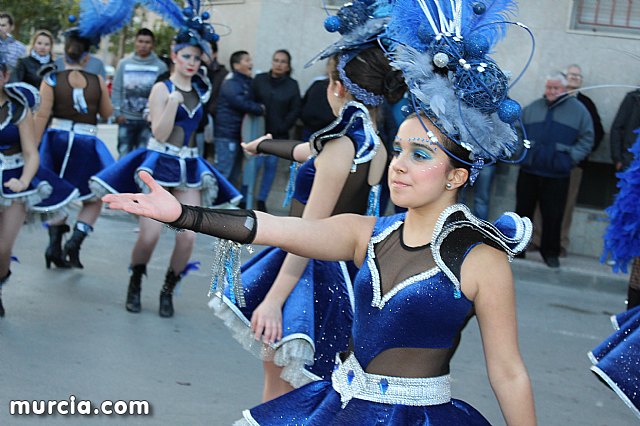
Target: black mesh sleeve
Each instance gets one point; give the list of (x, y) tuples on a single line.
[(279, 147), (235, 225)]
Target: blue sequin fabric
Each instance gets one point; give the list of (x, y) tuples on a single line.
[(419, 311), (617, 359)]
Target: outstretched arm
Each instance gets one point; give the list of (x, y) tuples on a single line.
[(494, 298), (336, 238)]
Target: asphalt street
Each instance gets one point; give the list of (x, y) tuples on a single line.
[(67, 333)]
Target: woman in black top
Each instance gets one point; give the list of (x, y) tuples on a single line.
[(280, 95), (27, 67)]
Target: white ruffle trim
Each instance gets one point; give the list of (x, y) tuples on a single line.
[(30, 198), (292, 353)]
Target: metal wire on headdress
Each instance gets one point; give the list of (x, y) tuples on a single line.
[(191, 25), (442, 49)]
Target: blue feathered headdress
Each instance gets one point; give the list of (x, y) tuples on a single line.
[(99, 18), (360, 23), (442, 48), (191, 25), (622, 237)]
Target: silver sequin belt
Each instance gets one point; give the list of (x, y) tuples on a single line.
[(169, 149), (351, 381), (13, 161), (70, 126)]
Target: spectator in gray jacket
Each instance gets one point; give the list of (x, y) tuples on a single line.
[(560, 130), (132, 84)]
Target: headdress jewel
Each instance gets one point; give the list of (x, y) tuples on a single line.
[(191, 25), (360, 23), (442, 49)]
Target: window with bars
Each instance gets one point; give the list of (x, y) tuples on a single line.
[(619, 17)]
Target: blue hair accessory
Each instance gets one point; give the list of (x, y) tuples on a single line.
[(442, 49), (358, 92), (360, 23), (99, 18), (191, 25)]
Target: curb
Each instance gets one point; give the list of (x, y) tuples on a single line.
[(571, 275)]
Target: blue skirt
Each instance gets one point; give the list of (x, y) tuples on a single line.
[(318, 404), (316, 318), (46, 193), (617, 358), (74, 161), (169, 171)]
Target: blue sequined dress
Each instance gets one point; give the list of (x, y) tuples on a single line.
[(617, 359), (317, 315), (173, 164), (46, 192), (409, 312), (70, 146)]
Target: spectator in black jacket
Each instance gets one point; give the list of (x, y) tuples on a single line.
[(622, 130), (216, 73), (235, 100), (316, 112), (280, 95), (40, 54)]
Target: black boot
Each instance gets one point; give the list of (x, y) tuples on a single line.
[(72, 246), (166, 300), (135, 284), (3, 281), (54, 250), (633, 298)]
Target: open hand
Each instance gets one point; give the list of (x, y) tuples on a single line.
[(16, 185), (266, 321), (159, 204), (251, 148)]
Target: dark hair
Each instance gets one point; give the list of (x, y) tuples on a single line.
[(214, 46), (236, 57), (146, 32), (370, 70), (75, 47), (288, 55), (7, 16)]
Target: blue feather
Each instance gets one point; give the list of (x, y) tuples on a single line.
[(622, 237), (167, 9), (496, 11), (98, 18)]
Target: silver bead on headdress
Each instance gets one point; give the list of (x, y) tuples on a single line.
[(442, 47)]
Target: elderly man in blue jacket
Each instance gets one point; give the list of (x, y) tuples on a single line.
[(234, 101), (561, 133)]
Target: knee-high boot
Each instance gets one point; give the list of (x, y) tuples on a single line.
[(54, 249), (72, 246), (135, 285), (166, 294), (3, 281)]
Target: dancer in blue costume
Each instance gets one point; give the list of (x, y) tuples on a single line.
[(617, 358), (424, 273), (298, 311), (176, 106), (73, 98), (422, 276), (25, 188)]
